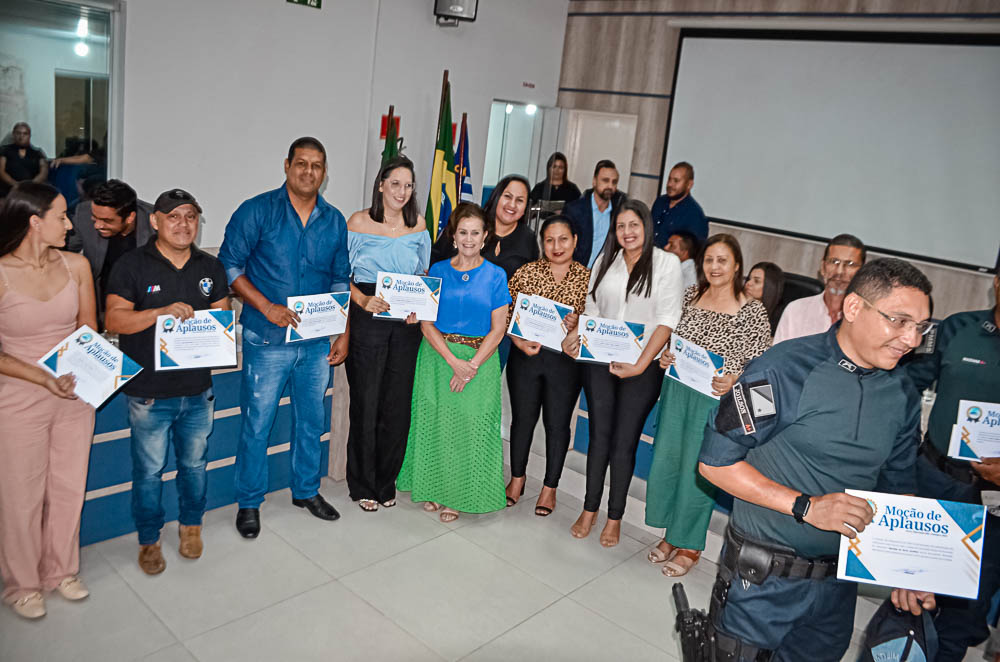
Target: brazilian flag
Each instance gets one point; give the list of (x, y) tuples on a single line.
[(443, 195)]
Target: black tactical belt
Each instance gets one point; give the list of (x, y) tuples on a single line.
[(957, 469), (755, 561)]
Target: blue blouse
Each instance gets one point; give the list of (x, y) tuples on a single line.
[(466, 307), (372, 253)]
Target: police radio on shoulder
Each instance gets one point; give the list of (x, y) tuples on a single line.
[(801, 507)]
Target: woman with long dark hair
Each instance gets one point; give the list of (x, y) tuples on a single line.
[(766, 281), (720, 318), (631, 281), (540, 380), (556, 186), (388, 236), (45, 432)]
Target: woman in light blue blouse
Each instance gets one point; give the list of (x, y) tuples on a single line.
[(388, 236)]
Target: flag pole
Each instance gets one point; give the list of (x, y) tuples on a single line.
[(460, 171)]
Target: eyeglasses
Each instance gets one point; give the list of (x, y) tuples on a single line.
[(836, 263), (901, 322), (395, 185)]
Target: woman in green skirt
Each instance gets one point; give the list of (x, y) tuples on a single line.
[(720, 318), (454, 453)]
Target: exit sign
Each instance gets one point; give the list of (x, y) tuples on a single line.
[(308, 3)]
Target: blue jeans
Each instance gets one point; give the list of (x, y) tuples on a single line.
[(186, 422), (266, 369)]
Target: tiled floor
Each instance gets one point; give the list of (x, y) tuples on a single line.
[(392, 585)]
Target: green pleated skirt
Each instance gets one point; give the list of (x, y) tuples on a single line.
[(678, 498), (454, 452)]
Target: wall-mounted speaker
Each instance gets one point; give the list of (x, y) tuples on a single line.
[(455, 10)]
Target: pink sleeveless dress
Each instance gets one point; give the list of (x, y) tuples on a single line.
[(44, 449)]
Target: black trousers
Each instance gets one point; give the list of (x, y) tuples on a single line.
[(381, 361), (616, 409), (548, 382)]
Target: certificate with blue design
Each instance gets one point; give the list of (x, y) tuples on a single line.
[(694, 366), (540, 320), (320, 315), (976, 433), (206, 340), (917, 544), (407, 294), (100, 368), (605, 340)]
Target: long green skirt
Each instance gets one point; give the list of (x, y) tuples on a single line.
[(454, 454), (678, 498)]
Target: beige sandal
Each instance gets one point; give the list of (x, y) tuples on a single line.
[(657, 555), (674, 569), (431, 507), (448, 515)]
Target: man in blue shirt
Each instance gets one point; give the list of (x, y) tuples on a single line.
[(286, 242), (591, 214), (676, 210)]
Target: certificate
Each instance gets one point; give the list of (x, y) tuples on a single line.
[(540, 320), (319, 315), (917, 544), (976, 433), (99, 367), (407, 294), (694, 365), (203, 341), (605, 340)]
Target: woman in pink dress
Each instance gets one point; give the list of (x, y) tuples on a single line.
[(45, 432)]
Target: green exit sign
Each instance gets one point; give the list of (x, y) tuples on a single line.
[(308, 3)]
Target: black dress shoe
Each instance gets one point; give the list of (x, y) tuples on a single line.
[(248, 522), (318, 506)]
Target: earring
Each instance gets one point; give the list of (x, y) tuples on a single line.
[(454, 244)]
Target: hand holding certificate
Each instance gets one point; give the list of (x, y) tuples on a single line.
[(205, 340), (606, 340), (407, 294), (694, 366), (540, 320), (99, 367), (917, 544), (320, 315), (976, 433)]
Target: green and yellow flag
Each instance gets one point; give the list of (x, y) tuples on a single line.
[(443, 195), (391, 148)]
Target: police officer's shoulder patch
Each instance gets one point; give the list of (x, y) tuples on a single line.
[(745, 406)]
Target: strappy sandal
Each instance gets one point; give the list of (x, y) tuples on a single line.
[(431, 507), (511, 501), (389, 504), (674, 569), (657, 555), (543, 511), (448, 515), (368, 505)]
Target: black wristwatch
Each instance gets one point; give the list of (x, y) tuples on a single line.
[(801, 507)]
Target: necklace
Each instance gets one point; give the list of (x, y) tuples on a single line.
[(40, 267)]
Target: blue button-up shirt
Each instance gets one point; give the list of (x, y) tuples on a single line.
[(686, 215), (266, 242), (602, 221)]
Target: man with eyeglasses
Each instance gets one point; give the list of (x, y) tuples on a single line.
[(168, 275), (965, 363), (808, 419), (842, 258)]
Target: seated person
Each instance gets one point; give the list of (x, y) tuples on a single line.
[(20, 161)]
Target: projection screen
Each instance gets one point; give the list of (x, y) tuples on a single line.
[(814, 134)]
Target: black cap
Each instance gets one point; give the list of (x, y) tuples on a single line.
[(174, 198)]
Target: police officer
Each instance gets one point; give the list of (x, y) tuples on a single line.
[(965, 362), (808, 419)]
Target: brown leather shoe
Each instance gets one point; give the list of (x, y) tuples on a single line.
[(151, 559), (191, 544)]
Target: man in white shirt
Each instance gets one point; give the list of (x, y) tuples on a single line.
[(842, 258), (684, 245)]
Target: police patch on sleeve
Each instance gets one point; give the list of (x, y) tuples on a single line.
[(205, 285), (745, 406)]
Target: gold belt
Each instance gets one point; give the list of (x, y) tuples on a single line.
[(470, 341)]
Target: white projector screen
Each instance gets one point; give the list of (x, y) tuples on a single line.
[(898, 143)]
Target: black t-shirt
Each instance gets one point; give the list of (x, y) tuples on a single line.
[(117, 247), (567, 191), (148, 279), (21, 168), (516, 249)]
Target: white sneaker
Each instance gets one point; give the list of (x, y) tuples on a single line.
[(73, 588), (30, 606)]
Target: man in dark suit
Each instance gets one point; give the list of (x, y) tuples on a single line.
[(592, 214)]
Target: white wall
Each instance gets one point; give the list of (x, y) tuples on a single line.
[(39, 56), (259, 73)]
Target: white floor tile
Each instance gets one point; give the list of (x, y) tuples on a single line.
[(451, 594), (568, 632), (175, 653), (111, 624), (233, 578), (326, 623)]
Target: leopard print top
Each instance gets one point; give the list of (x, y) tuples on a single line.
[(536, 278), (736, 338)]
